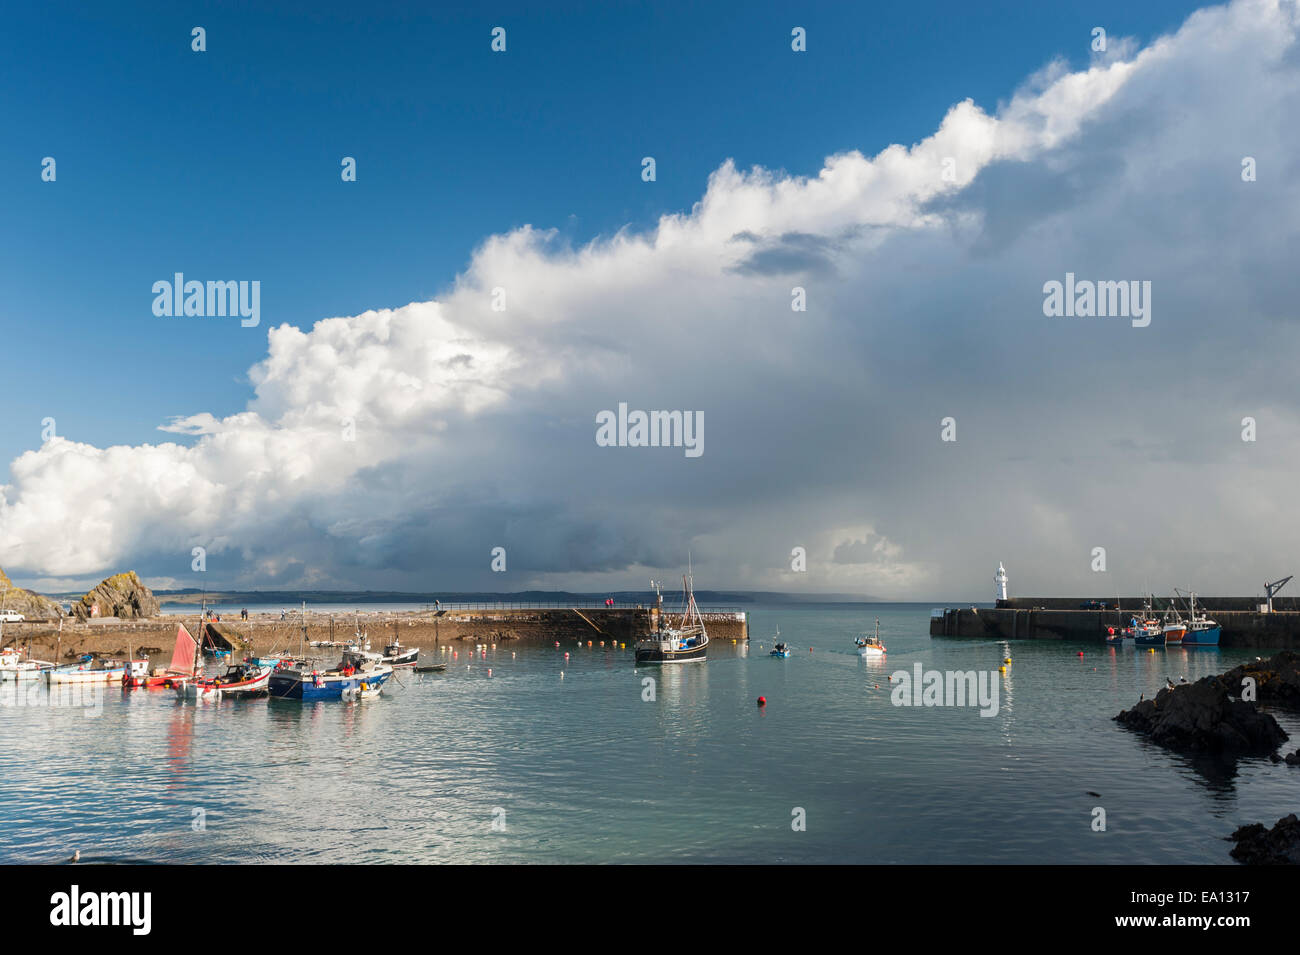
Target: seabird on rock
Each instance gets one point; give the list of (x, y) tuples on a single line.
[(1170, 683)]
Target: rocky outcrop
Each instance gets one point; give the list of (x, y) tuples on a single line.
[(123, 595), (26, 602), (1277, 680), (1205, 718), (1280, 845)]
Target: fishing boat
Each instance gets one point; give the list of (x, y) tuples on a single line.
[(183, 666), (1201, 631), (1174, 631), (871, 646), (1149, 635), (688, 642), (400, 656), (302, 682), (87, 670), (14, 667), (238, 680), (780, 650)]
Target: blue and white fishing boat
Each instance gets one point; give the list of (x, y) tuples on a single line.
[(359, 674), (1201, 631), (781, 649)]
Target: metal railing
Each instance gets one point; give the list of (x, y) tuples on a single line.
[(550, 605)]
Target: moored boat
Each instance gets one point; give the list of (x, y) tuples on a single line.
[(399, 656), (1201, 631), (14, 667), (780, 650), (362, 691), (238, 680), (302, 682), (686, 643), (87, 670), (185, 656)]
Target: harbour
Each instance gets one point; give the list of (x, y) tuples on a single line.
[(1268, 622), (584, 768), (1048, 618)]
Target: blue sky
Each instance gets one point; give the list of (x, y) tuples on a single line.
[(225, 164), (776, 171)]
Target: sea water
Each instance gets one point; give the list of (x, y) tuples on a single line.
[(524, 754)]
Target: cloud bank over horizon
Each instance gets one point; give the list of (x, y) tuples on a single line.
[(395, 448)]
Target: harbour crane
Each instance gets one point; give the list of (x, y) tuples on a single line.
[(1273, 588)]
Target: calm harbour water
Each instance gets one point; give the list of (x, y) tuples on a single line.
[(586, 771)]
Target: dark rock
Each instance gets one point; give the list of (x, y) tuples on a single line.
[(1280, 845), (1277, 680), (1293, 759), (1202, 717), (123, 595)]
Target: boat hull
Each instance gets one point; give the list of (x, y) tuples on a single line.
[(111, 675), (217, 689), (1209, 637), (661, 652)]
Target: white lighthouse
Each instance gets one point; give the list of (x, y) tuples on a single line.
[(1000, 582)]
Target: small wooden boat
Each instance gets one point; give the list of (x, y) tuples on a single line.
[(431, 668), (87, 670), (399, 656), (239, 680), (182, 667), (362, 691)]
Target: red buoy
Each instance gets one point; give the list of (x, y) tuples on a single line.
[(1080, 653), (762, 701)]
